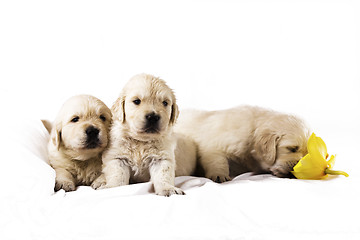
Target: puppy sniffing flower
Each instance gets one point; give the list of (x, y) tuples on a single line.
[(245, 139)]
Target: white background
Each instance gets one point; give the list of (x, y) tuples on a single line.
[(300, 57)]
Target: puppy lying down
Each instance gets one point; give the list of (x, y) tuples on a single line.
[(142, 145), (249, 138), (78, 137)]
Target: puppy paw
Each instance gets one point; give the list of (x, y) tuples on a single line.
[(113, 184), (68, 186), (170, 191), (99, 183), (219, 178)]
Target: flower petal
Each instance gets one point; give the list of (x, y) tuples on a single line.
[(309, 168), (331, 162), (317, 147)]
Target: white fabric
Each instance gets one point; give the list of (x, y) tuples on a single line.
[(300, 57), (248, 207)]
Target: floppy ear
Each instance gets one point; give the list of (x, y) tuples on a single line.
[(118, 109), (174, 113), (56, 135), (265, 146), (47, 124)]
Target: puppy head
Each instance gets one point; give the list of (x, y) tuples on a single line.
[(81, 127), (146, 107), (280, 143)]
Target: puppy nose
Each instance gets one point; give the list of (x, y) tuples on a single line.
[(92, 132), (152, 117)]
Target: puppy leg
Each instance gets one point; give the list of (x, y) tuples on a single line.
[(116, 173), (216, 166), (64, 180), (162, 174)]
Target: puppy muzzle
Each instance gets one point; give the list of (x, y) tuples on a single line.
[(152, 123), (92, 137)]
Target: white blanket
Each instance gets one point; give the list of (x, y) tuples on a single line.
[(300, 57), (248, 207)]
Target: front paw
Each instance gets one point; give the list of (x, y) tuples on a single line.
[(167, 192), (99, 183), (112, 184), (67, 185), (219, 178)]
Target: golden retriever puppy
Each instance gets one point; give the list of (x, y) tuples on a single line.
[(142, 145), (248, 138), (78, 137)]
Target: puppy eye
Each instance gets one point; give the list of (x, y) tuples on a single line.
[(75, 119), (103, 118), (293, 149), (165, 103), (137, 102)]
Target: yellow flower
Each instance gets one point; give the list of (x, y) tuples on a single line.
[(314, 164)]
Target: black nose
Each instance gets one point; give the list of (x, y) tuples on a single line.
[(92, 140), (152, 118), (92, 132)]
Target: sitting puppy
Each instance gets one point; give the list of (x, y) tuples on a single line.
[(142, 144), (78, 137), (251, 138)]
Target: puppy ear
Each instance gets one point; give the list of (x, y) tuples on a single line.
[(174, 113), (118, 109), (265, 146), (56, 135), (47, 124)]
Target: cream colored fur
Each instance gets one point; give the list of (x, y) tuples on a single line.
[(135, 155), (74, 162), (252, 138)]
